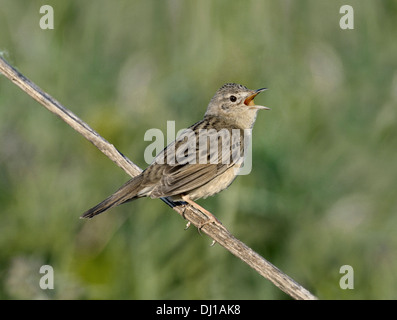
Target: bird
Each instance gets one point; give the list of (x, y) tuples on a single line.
[(190, 167)]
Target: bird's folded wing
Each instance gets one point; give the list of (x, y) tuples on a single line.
[(179, 179)]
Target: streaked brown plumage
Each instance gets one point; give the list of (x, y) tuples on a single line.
[(232, 110)]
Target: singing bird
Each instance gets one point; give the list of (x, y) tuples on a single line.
[(231, 109)]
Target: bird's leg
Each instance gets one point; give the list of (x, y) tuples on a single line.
[(183, 204), (183, 216), (211, 217)]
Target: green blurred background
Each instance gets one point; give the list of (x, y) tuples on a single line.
[(322, 192)]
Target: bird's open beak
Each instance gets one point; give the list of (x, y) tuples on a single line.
[(249, 101)]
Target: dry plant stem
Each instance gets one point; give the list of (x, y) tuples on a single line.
[(217, 232)]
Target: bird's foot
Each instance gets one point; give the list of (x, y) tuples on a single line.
[(211, 219)]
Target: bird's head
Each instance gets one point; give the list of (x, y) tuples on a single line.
[(235, 102)]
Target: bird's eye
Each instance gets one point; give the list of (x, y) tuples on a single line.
[(233, 98)]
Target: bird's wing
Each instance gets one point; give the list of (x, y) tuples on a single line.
[(184, 178), (168, 178)]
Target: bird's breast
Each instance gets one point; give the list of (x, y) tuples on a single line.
[(216, 185)]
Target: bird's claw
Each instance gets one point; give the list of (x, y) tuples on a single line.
[(211, 219)]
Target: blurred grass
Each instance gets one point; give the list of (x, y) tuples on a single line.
[(322, 190)]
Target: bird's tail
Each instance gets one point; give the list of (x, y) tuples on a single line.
[(127, 192)]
